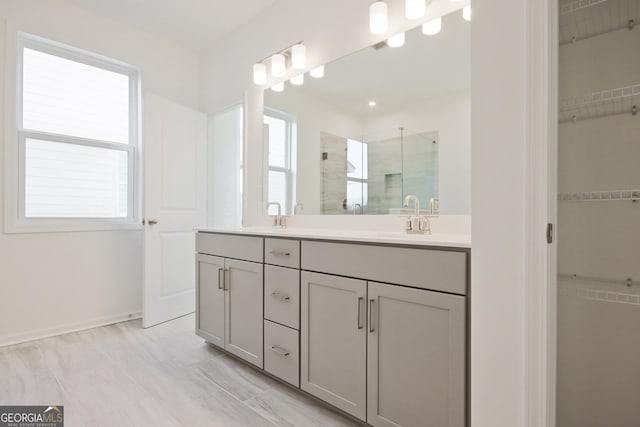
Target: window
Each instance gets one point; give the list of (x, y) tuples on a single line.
[(357, 176), (77, 138), (281, 129)]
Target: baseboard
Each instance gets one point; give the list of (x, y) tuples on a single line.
[(67, 328)]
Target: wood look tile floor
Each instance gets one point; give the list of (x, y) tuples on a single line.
[(123, 375)]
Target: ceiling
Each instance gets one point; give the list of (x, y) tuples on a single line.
[(425, 67), (195, 24)]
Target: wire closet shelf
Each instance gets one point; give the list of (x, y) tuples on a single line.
[(583, 19), (600, 196), (624, 100)]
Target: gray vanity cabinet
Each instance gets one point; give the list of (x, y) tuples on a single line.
[(416, 357), (229, 306), (244, 310), (333, 341), (210, 296)]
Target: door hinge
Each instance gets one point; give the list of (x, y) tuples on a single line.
[(549, 233)]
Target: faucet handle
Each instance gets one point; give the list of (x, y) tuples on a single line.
[(425, 225)]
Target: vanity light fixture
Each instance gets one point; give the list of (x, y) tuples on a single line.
[(278, 87), (396, 41), (466, 13), (259, 74), (298, 56), (372, 103), (317, 72), (295, 54), (297, 80), (414, 9), (378, 21), (278, 67), (432, 27)]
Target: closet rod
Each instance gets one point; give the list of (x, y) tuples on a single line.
[(627, 282)]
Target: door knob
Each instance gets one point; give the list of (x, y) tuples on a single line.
[(153, 221)]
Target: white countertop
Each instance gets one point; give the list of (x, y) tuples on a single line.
[(386, 237)]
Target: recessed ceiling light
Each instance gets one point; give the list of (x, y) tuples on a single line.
[(372, 103)]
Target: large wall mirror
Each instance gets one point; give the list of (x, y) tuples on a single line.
[(381, 123)]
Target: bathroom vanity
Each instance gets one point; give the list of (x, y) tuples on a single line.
[(375, 324)]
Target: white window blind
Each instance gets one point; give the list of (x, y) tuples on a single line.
[(77, 131), (66, 97)]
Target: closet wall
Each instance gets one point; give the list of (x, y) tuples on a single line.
[(599, 214)]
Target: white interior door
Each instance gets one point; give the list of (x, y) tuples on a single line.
[(174, 204)]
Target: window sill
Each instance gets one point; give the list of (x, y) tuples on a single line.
[(68, 226)]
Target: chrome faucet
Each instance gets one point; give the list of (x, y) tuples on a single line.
[(434, 206), (278, 220), (416, 223), (356, 206)]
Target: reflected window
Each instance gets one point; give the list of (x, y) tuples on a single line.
[(357, 176), (280, 130)]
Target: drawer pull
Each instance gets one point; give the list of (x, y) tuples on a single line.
[(279, 351), (371, 317), (280, 253), (278, 295), (221, 279), (360, 301)]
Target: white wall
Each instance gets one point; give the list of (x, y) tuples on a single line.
[(55, 282), (450, 116), (498, 140), (498, 176)]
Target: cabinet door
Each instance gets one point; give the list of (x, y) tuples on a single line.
[(244, 310), (333, 341), (210, 297), (416, 351)]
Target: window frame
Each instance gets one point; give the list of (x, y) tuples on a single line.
[(15, 218), (290, 159)]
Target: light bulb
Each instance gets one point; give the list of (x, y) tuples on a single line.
[(278, 67), (432, 27), (414, 9), (372, 103), (259, 74), (396, 41), (317, 72), (297, 80), (299, 57), (378, 18), (278, 87), (466, 13)]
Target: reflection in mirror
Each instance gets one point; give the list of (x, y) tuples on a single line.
[(382, 123)]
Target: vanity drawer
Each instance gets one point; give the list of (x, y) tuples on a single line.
[(421, 268), (284, 252), (247, 248), (282, 295), (281, 352)]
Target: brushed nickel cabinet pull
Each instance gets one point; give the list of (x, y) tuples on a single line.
[(280, 253), (221, 280), (371, 328), (278, 295), (227, 279), (279, 351), (360, 301)]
